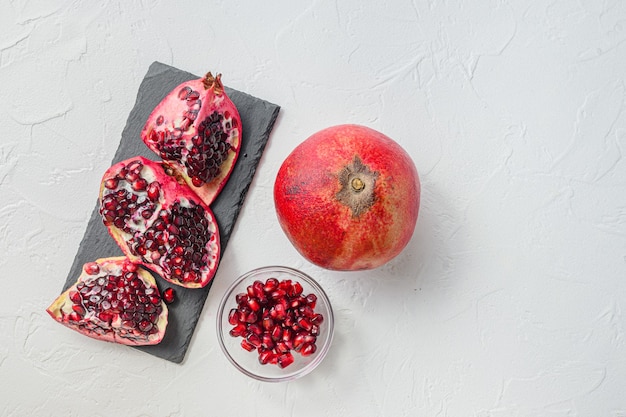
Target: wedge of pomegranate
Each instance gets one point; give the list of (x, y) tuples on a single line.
[(196, 130), (113, 300), (160, 223)]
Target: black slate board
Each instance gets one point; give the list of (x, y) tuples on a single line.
[(257, 118)]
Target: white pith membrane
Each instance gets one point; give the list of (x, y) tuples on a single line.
[(177, 238), (113, 302)]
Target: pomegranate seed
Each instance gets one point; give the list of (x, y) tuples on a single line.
[(265, 356), (285, 359), (106, 317), (282, 347), (238, 330), (135, 166), (278, 294), (253, 303), (278, 312), (295, 303), (308, 349), (91, 268), (184, 92), (241, 299), (270, 285), (73, 316), (268, 342), (154, 190), (298, 341), (286, 286), (257, 287), (287, 334), (254, 339), (111, 183), (159, 121), (197, 181), (169, 295), (317, 319), (78, 309), (311, 299), (130, 267), (247, 345), (193, 96), (306, 311), (276, 332), (256, 329), (233, 316), (305, 324), (145, 325), (140, 184), (267, 323), (250, 290), (251, 317), (75, 297), (289, 321)]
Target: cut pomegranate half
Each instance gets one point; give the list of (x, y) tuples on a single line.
[(196, 129), (113, 300), (160, 223)]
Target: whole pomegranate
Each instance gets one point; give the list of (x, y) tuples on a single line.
[(348, 198)]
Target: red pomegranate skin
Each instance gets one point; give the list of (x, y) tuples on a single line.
[(325, 224)]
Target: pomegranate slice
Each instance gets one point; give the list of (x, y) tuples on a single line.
[(160, 223), (113, 300), (196, 129)]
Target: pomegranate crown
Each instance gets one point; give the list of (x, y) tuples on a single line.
[(215, 83)]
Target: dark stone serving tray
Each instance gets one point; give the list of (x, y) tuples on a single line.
[(257, 118)]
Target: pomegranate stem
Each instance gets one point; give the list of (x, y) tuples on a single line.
[(213, 82)]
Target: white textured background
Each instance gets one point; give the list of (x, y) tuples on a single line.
[(510, 301)]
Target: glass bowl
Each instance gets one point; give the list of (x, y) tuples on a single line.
[(249, 362)]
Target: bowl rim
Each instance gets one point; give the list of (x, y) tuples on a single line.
[(330, 320)]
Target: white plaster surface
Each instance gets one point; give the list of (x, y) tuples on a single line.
[(510, 300)]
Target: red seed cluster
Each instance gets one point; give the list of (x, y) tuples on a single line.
[(100, 298), (275, 318)]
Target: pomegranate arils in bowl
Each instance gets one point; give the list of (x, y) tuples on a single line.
[(160, 223), (275, 317), (113, 300), (196, 130), (275, 324)]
